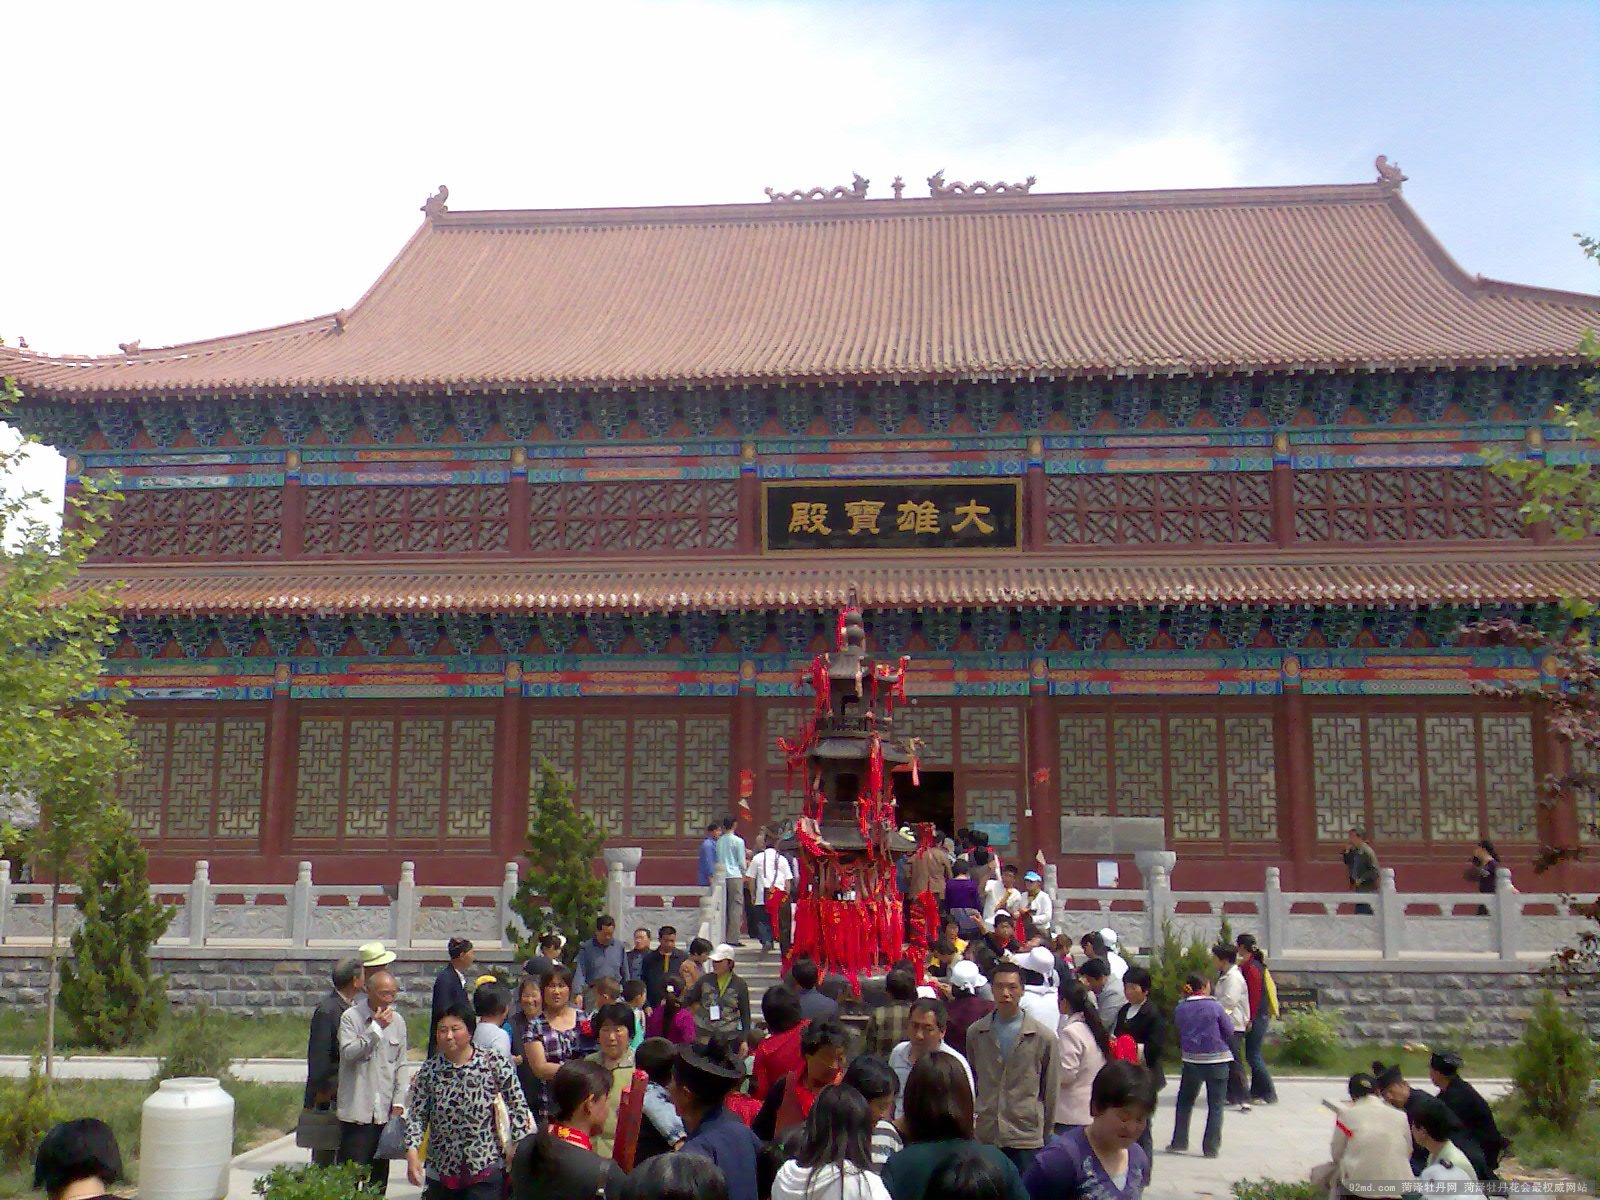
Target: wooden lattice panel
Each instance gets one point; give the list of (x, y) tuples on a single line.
[(991, 735), (197, 523), (406, 519), (1405, 504), (1176, 509), (196, 778), (633, 517), (1422, 775)]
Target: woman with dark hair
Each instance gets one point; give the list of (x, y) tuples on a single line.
[(779, 1052), (938, 1128), (530, 1003), (676, 1177), (1085, 1048), (613, 1031), (671, 1019), (1258, 997), (822, 1053), (561, 1163), (78, 1160), (834, 1157), (1482, 870), (968, 1176), (452, 1102), (1102, 1160), (559, 1034)]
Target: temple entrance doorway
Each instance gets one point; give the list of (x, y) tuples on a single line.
[(932, 798)]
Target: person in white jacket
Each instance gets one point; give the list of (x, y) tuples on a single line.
[(1085, 1047), (834, 1157), (1431, 1126), (1231, 992), (1371, 1144)]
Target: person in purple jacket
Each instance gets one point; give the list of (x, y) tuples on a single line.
[(1102, 1160), (1205, 1035)]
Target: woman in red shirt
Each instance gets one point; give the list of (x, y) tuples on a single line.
[(779, 1052)]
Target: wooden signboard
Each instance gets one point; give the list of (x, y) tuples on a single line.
[(912, 514)]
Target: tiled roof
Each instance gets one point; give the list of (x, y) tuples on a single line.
[(1008, 286), (806, 582)]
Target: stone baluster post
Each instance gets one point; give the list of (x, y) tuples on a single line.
[(1391, 915), (719, 907), (301, 907), (614, 898), (1052, 887), (199, 903), (5, 896), (1507, 917), (707, 917), (1159, 902), (508, 894), (404, 923), (1275, 914)]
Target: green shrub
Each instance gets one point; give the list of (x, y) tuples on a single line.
[(311, 1183), (1277, 1189), (28, 1111), (194, 1045), (1552, 1065), (1170, 962), (1308, 1038), (107, 989)]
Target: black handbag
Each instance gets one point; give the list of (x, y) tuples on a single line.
[(317, 1129)]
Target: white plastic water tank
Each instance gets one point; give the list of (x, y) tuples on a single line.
[(186, 1141)]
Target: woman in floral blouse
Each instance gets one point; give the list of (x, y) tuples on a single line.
[(452, 1102), (558, 1035)]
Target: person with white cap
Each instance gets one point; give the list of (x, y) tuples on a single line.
[(1040, 903), (720, 999), (1114, 959), (1039, 985), (965, 1004)]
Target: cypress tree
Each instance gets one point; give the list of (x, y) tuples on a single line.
[(107, 990), (561, 891)]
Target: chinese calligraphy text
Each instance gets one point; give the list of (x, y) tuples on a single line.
[(902, 515)]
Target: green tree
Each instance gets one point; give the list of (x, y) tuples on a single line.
[(107, 990), (1553, 1065), (61, 745), (561, 891)]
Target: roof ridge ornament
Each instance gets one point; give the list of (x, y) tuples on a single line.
[(856, 191), (938, 187), (1390, 177), (434, 207), (131, 349)]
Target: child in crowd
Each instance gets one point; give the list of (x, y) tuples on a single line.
[(1103, 1159), (633, 993), (662, 1129), (492, 1003), (878, 1085), (603, 992)]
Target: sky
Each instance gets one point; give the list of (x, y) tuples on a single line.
[(204, 169)]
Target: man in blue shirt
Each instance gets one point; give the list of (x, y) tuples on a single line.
[(731, 857), (708, 853)]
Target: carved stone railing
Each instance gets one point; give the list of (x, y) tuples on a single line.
[(1507, 925)]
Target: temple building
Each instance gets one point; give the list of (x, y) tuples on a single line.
[(1176, 499)]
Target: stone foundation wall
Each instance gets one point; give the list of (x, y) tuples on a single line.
[(1436, 1004)]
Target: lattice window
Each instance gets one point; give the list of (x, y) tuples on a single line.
[(1424, 776), (933, 723), (994, 805), (1251, 779), (633, 517), (1211, 776), (373, 781), (1405, 504), (1588, 799), (1083, 745), (1215, 508), (200, 523), (196, 778), (406, 519), (642, 776), (991, 735)]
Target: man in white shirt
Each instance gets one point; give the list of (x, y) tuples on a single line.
[(1232, 993), (1000, 894), (1040, 903), (372, 1053), (769, 873), (732, 859), (925, 1027)]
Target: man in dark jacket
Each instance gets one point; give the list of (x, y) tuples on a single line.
[(322, 1047), (814, 1006), (665, 961), (1361, 863), (1470, 1108), (450, 986), (598, 958)]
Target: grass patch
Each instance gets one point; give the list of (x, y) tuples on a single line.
[(246, 1036), (1483, 1062), (1538, 1144), (262, 1112)]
